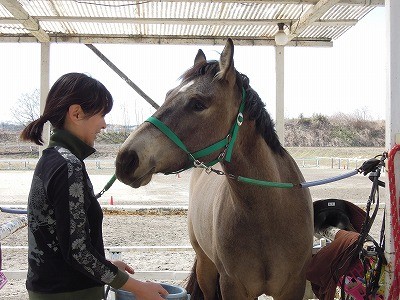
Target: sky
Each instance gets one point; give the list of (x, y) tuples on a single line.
[(347, 78)]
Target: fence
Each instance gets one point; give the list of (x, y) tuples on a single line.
[(108, 164), (116, 252), (330, 162), (30, 164)]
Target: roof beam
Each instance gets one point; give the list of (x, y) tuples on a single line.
[(351, 2), (167, 40), (29, 23), (312, 14), (185, 21)]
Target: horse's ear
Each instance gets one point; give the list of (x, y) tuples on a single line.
[(226, 65), (200, 57)]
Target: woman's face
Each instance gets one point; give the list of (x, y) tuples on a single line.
[(91, 126)]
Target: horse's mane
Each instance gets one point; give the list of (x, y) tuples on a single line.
[(254, 107)]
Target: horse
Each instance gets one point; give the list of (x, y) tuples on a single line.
[(249, 239)]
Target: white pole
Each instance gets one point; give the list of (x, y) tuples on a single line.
[(392, 117), (44, 89), (280, 92)]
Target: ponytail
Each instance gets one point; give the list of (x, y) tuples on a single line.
[(69, 89), (33, 132)]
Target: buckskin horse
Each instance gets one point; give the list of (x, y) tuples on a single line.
[(250, 238)]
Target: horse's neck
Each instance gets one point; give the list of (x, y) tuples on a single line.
[(253, 158)]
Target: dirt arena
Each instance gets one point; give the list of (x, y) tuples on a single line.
[(155, 229)]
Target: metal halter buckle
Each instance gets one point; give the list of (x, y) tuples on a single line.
[(239, 119)]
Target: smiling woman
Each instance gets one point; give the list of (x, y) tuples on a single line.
[(64, 216)]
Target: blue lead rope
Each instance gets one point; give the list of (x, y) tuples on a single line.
[(328, 180)]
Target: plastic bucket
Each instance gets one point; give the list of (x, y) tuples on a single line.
[(175, 293)]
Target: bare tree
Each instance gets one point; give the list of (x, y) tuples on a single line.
[(27, 108)]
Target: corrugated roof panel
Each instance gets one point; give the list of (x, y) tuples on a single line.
[(270, 10), (342, 12), (310, 31), (53, 27), (4, 13), (256, 13), (80, 12), (13, 29), (35, 8), (292, 11), (339, 31)]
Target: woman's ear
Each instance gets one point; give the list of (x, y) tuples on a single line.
[(75, 113)]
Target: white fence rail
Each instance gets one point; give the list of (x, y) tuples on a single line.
[(115, 253), (30, 164), (108, 164)]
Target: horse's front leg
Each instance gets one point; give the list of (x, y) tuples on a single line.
[(294, 289), (207, 276), (232, 290)]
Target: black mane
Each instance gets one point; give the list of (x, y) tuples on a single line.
[(254, 107)]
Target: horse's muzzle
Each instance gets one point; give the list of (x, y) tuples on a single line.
[(126, 164)]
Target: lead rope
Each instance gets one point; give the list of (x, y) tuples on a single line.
[(286, 185), (107, 186)]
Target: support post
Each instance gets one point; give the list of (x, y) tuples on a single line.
[(392, 123), (280, 92), (44, 89)]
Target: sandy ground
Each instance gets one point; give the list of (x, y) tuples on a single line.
[(150, 230)]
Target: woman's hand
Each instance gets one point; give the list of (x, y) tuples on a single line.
[(145, 290), (123, 266), (150, 291)]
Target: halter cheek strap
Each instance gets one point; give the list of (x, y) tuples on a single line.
[(227, 143)]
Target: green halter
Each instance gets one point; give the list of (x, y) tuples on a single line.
[(226, 143)]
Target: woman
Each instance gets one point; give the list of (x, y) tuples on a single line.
[(66, 258)]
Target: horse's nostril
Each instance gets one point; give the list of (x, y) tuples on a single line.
[(126, 163)]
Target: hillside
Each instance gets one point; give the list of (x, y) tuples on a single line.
[(319, 136), (338, 131)]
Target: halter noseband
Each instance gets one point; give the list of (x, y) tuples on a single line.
[(226, 143)]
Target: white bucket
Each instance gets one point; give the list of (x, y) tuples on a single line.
[(175, 293)]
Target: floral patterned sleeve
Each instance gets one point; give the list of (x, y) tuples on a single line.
[(73, 230)]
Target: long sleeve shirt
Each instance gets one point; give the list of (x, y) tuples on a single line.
[(66, 250)]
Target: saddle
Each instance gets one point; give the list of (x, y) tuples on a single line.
[(338, 213), (330, 263)]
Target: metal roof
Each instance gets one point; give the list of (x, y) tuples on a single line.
[(308, 22)]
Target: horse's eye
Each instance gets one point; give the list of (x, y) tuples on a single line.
[(198, 105)]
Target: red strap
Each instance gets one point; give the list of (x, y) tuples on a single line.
[(394, 291)]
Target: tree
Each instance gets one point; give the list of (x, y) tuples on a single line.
[(27, 108)]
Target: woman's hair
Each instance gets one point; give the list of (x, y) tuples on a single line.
[(69, 89)]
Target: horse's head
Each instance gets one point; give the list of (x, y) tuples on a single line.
[(200, 112)]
